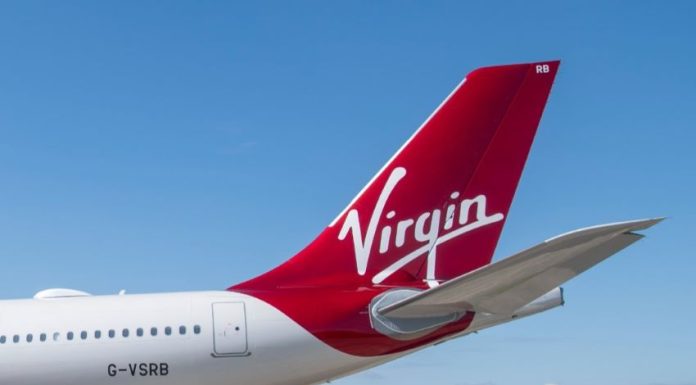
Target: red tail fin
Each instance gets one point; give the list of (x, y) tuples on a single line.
[(437, 208)]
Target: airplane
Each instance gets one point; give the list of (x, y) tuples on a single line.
[(405, 266)]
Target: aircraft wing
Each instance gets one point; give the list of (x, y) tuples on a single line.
[(506, 286)]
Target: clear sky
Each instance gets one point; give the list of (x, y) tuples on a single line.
[(165, 146)]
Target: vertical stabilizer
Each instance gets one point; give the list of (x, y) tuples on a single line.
[(437, 208)]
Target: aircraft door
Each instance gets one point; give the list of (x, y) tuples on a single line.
[(229, 328)]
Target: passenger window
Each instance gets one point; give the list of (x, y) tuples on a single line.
[(153, 332), (124, 333), (70, 336), (197, 329), (182, 330), (3, 339), (168, 331), (139, 332), (15, 338), (97, 334), (112, 333), (42, 337), (56, 336), (83, 335), (30, 337)]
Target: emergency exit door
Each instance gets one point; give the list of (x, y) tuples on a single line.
[(229, 327)]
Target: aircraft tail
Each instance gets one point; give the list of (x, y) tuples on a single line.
[(436, 210)]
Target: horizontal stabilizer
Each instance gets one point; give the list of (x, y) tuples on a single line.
[(506, 286)]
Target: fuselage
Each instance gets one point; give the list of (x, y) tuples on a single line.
[(207, 338)]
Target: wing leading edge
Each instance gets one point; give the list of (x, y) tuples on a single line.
[(506, 286)]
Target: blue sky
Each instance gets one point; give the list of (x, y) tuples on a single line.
[(161, 146)]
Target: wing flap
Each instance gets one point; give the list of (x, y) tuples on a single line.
[(507, 285)]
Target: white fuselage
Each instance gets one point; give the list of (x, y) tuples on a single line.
[(205, 338)]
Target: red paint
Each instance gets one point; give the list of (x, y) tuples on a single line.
[(475, 144)]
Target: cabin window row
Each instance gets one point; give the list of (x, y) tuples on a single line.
[(111, 333)]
